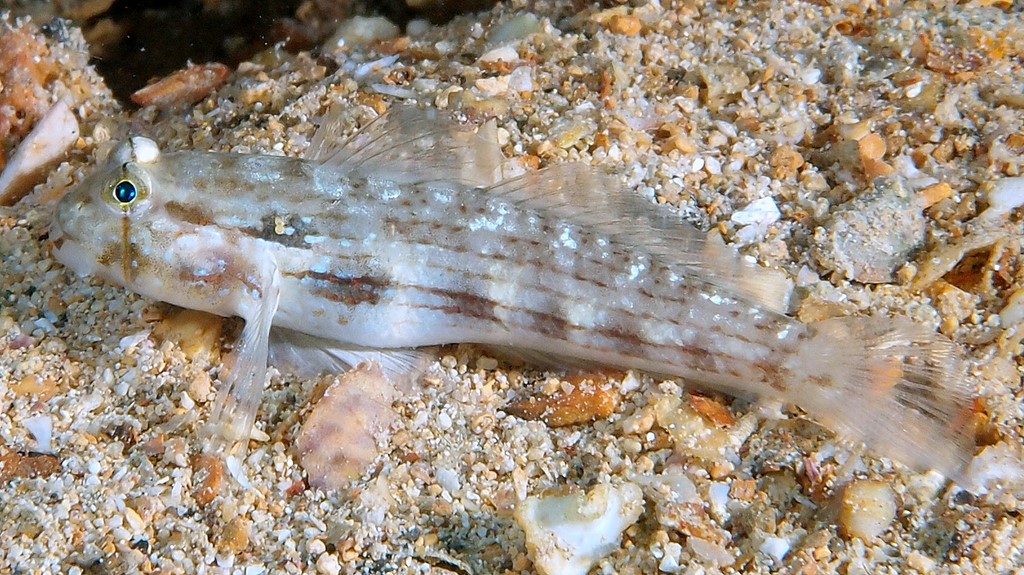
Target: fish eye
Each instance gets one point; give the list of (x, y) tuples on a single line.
[(125, 192)]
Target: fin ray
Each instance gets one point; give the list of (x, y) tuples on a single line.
[(905, 393), (408, 145), (580, 194), (307, 356)]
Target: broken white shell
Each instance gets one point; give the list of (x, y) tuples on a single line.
[(44, 146), (569, 534)]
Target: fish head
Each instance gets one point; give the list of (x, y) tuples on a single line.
[(101, 226)]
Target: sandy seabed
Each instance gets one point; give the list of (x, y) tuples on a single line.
[(763, 120)]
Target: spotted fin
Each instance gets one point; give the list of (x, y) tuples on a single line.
[(580, 194), (239, 396), (895, 385)]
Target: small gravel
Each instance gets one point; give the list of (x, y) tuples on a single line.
[(704, 108)]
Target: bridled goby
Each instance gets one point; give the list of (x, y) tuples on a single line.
[(399, 238)]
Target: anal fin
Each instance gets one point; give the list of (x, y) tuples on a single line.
[(308, 356)]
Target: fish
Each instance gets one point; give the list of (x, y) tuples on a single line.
[(407, 236)]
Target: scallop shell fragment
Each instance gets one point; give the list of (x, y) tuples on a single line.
[(339, 439)]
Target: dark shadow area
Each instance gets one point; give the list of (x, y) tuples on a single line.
[(133, 42), (139, 40)]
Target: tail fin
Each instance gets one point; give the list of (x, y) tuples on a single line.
[(898, 387)]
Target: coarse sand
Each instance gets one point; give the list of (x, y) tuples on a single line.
[(767, 122)]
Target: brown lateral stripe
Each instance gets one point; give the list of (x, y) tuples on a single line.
[(482, 308), (349, 290), (188, 214), (467, 304)]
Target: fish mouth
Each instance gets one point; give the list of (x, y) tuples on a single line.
[(70, 253), (56, 233), (56, 239), (65, 249)]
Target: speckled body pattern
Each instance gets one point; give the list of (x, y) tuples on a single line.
[(362, 259), (378, 264)]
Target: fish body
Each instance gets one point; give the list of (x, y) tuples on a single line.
[(358, 248)]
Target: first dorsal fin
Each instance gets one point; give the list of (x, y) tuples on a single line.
[(580, 194), (408, 145)]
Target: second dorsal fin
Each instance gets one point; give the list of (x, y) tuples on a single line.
[(580, 194)]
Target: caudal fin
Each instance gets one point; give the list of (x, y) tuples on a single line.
[(898, 387)]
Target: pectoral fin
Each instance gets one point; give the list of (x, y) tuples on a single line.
[(239, 397)]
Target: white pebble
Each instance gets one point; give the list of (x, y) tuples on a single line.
[(316, 547), (914, 90), (446, 47), (1013, 312), (417, 27), (363, 71), (327, 564), (806, 277), (920, 562), (521, 80), (492, 86), (395, 91), (90, 402), (997, 468), (130, 341), (761, 212), (503, 54), (679, 484), (486, 363), (444, 421), (867, 509), (45, 325), (134, 520), (1005, 195), (775, 547), (41, 428), (448, 479), (362, 30), (946, 112), (710, 551), (811, 76), (718, 494), (670, 562), (755, 219), (713, 166), (515, 28), (569, 534), (629, 383)]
